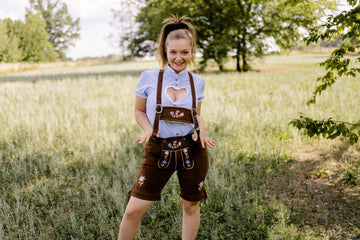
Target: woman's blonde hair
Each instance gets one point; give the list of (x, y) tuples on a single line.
[(176, 28)]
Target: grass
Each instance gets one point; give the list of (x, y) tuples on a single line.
[(68, 155)]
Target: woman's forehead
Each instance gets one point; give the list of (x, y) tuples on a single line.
[(178, 43)]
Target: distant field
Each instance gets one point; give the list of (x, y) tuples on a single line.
[(68, 155)]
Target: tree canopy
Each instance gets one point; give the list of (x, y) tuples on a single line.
[(242, 28), (9, 44), (25, 41), (345, 24), (61, 28)]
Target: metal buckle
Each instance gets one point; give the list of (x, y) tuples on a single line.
[(156, 108), (193, 112)]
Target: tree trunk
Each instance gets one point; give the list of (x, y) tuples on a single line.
[(221, 67), (238, 68), (218, 61), (245, 65)]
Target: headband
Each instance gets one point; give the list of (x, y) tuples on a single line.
[(174, 26)]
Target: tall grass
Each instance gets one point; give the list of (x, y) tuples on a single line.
[(68, 156)]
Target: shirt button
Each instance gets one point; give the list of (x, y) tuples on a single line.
[(177, 134)]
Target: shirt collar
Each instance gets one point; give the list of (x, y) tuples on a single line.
[(172, 75)]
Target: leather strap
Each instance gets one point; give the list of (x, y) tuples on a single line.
[(158, 107), (193, 110)]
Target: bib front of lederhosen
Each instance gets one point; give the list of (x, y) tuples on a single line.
[(173, 113)]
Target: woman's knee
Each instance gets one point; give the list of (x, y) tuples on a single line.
[(136, 208), (189, 207)]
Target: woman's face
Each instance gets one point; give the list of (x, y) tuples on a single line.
[(178, 54)]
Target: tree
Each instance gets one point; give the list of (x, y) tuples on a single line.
[(9, 44), (238, 27), (347, 25), (32, 38), (61, 28)]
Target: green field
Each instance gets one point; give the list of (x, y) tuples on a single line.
[(68, 155)]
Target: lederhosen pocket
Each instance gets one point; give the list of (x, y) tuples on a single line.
[(176, 149), (187, 161)]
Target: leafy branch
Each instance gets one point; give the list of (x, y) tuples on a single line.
[(347, 25), (337, 65), (328, 128)]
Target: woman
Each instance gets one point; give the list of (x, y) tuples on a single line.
[(167, 108)]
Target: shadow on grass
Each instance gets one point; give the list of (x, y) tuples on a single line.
[(74, 75), (314, 190)]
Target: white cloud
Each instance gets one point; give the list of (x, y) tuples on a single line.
[(10, 9), (95, 17)]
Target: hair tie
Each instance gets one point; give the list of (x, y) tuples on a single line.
[(171, 27)]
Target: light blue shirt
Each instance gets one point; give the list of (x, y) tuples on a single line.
[(147, 88)]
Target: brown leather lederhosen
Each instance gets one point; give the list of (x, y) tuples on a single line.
[(163, 156)]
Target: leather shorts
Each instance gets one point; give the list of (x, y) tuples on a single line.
[(164, 156)]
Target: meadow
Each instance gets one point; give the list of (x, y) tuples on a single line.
[(68, 154)]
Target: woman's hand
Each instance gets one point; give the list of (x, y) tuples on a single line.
[(142, 120), (206, 141), (146, 137)]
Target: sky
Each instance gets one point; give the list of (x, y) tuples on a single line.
[(95, 24)]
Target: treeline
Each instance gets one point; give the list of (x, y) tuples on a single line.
[(244, 29), (45, 35)]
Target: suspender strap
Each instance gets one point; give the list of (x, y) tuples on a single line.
[(193, 110), (159, 107)]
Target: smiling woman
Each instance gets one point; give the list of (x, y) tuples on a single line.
[(174, 132)]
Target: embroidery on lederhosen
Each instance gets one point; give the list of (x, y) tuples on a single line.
[(165, 160), (141, 180), (175, 144), (177, 114), (201, 185), (188, 163)]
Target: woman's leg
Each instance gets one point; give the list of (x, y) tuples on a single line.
[(191, 219), (135, 210)]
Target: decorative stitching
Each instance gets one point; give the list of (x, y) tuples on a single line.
[(201, 185), (141, 180), (174, 144), (177, 114)]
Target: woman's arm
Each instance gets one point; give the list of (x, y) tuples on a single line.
[(142, 120), (205, 141)]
